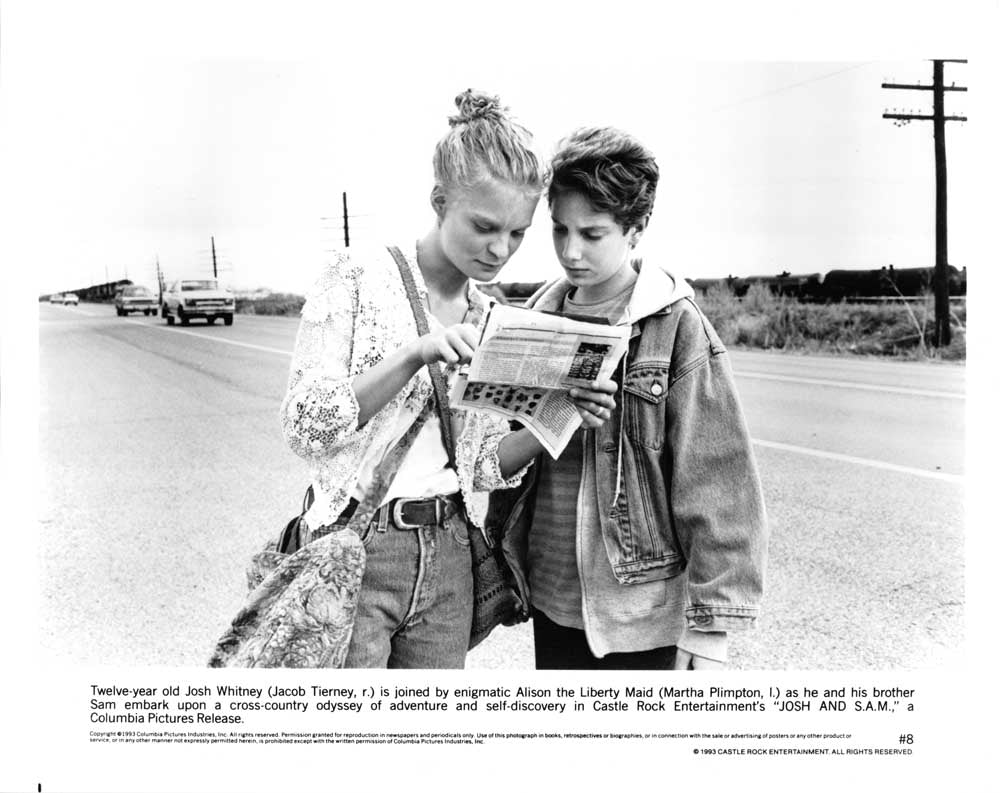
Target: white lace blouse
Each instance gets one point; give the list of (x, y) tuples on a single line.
[(355, 314)]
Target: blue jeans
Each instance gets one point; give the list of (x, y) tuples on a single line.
[(415, 607)]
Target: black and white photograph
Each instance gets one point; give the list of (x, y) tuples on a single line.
[(249, 249)]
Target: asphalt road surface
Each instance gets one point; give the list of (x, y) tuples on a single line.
[(164, 470)]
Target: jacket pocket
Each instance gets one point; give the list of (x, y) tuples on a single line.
[(645, 389)]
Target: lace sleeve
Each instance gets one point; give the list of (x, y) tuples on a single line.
[(486, 466), (320, 409)]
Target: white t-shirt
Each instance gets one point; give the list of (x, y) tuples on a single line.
[(424, 470)]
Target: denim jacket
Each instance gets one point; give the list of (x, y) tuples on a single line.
[(677, 484)]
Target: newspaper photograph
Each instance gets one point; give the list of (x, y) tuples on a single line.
[(526, 363)]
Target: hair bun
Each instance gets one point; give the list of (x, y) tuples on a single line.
[(473, 105)]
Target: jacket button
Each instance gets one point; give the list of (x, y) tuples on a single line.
[(656, 389), (702, 619)]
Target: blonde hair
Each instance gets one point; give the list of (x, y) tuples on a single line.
[(485, 141)]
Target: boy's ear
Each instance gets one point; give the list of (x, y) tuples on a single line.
[(637, 230)]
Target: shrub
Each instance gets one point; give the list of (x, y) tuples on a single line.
[(276, 304), (766, 321)]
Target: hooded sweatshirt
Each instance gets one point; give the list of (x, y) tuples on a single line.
[(618, 616)]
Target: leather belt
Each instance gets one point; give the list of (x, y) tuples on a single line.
[(412, 513), (409, 513)]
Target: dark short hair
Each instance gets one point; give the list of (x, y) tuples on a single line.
[(615, 172)]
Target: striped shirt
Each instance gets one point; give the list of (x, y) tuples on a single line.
[(553, 573)]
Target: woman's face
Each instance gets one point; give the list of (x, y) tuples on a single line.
[(591, 246), (482, 226)]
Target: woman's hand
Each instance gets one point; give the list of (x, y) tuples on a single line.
[(374, 387), (452, 345), (596, 403)]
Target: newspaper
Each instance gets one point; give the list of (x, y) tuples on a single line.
[(526, 363)]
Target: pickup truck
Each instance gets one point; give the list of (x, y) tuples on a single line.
[(197, 299)]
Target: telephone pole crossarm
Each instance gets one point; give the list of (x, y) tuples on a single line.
[(918, 117), (919, 87)]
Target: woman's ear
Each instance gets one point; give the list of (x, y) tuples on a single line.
[(439, 200)]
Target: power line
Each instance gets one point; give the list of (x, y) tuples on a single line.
[(789, 87)]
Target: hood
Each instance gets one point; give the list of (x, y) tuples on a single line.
[(655, 289)]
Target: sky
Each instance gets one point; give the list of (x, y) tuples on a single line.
[(135, 133)]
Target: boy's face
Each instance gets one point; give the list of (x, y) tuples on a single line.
[(591, 246)]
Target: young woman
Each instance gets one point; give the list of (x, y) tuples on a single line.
[(360, 407), (644, 542)]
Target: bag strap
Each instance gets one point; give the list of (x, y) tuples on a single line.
[(437, 377)]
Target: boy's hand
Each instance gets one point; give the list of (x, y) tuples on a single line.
[(596, 403)]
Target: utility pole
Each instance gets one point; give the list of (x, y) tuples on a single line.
[(347, 235), (942, 308), (343, 222), (159, 279), (215, 268)]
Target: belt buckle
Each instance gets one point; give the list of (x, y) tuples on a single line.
[(440, 511), (397, 513)]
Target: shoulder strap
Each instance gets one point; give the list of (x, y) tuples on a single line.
[(437, 378)]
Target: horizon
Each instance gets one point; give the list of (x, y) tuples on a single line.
[(242, 290)]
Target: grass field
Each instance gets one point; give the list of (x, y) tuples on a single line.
[(762, 320)]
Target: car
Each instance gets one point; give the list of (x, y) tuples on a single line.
[(70, 298), (134, 298), (197, 299)]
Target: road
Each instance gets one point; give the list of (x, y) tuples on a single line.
[(164, 469)]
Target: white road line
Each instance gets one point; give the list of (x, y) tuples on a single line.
[(847, 384), (846, 458), (767, 444), (213, 338), (758, 375)]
